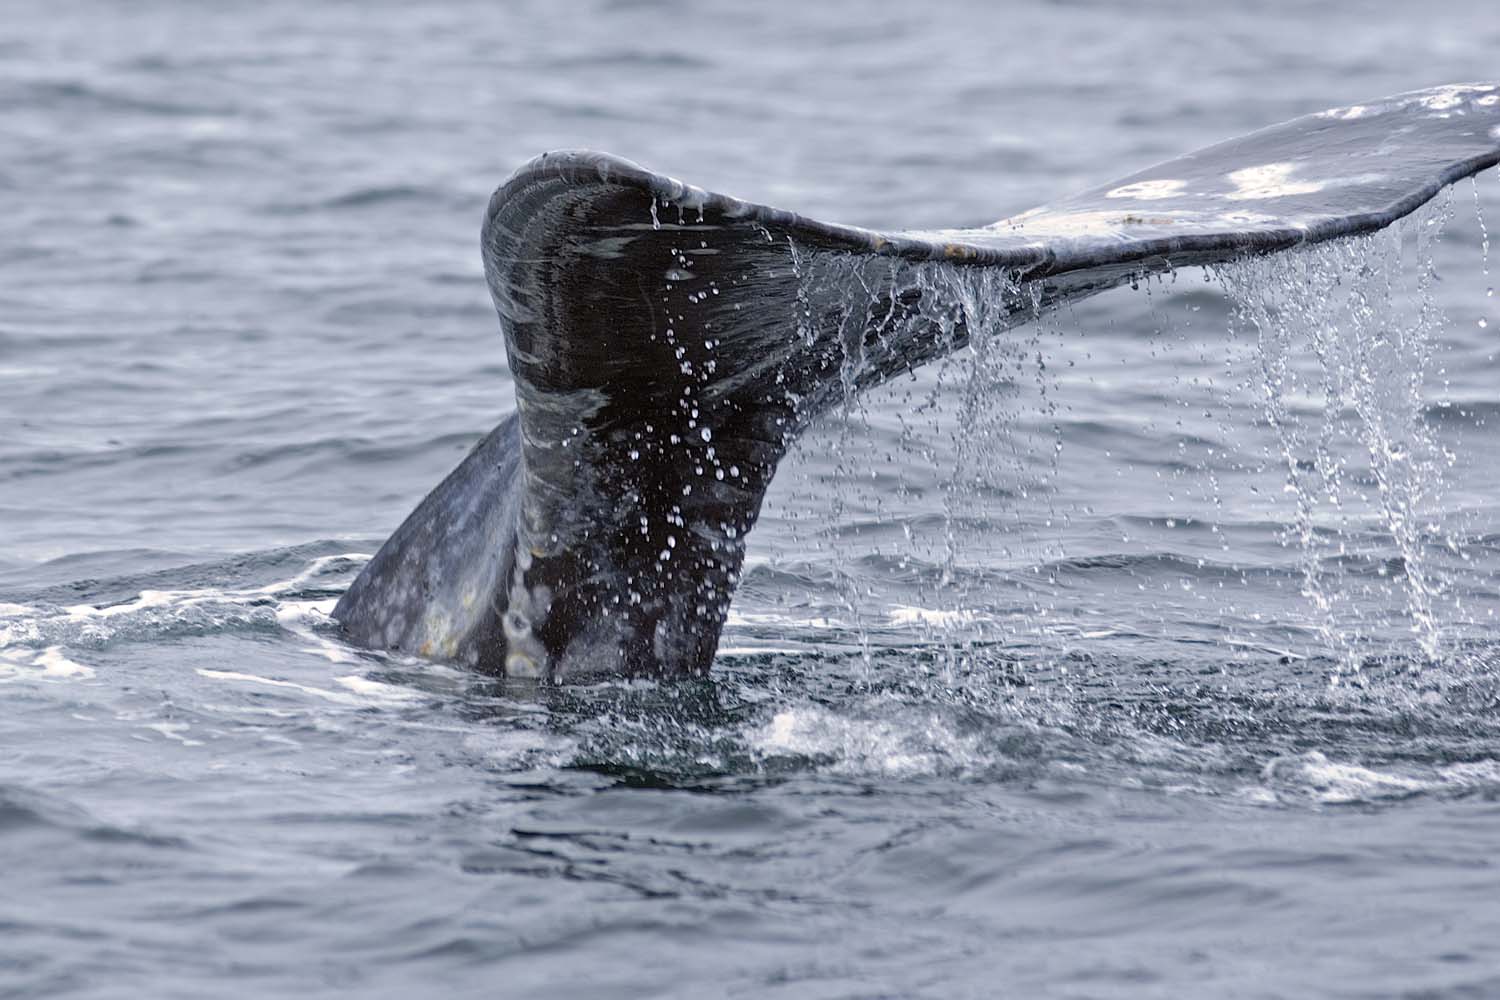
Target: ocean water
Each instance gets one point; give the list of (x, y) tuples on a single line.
[(1145, 651)]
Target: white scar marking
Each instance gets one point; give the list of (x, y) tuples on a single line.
[(1445, 98), (1345, 114), (1149, 190), (1269, 180), (1048, 223)]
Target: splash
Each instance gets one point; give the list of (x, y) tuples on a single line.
[(937, 398), (1339, 369), (1345, 335)]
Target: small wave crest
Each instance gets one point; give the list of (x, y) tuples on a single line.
[(43, 640), (1314, 777)]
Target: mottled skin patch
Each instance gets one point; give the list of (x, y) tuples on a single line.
[(420, 592)]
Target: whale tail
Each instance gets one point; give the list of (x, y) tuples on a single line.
[(668, 344)]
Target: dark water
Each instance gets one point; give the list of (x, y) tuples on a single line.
[(1144, 653)]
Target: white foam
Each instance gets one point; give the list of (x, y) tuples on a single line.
[(901, 746), (1257, 795), (55, 664), (49, 663), (174, 731), (144, 600), (736, 618), (1472, 774), (1335, 783), (152, 610), (376, 690), (901, 614), (313, 569), (302, 611), (149, 599), (363, 692), (509, 749)]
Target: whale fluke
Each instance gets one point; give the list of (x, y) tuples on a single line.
[(669, 343)]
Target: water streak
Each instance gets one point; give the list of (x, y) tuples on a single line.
[(1343, 356)]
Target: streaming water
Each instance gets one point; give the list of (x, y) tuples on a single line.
[(1370, 371), (1143, 648), (1344, 335)]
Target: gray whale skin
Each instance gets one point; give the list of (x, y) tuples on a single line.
[(667, 347)]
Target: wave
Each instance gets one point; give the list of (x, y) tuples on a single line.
[(61, 95), (25, 810)]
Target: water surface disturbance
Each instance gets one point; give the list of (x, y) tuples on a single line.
[(1142, 647)]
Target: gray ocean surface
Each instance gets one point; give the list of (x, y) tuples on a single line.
[(1142, 652)]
